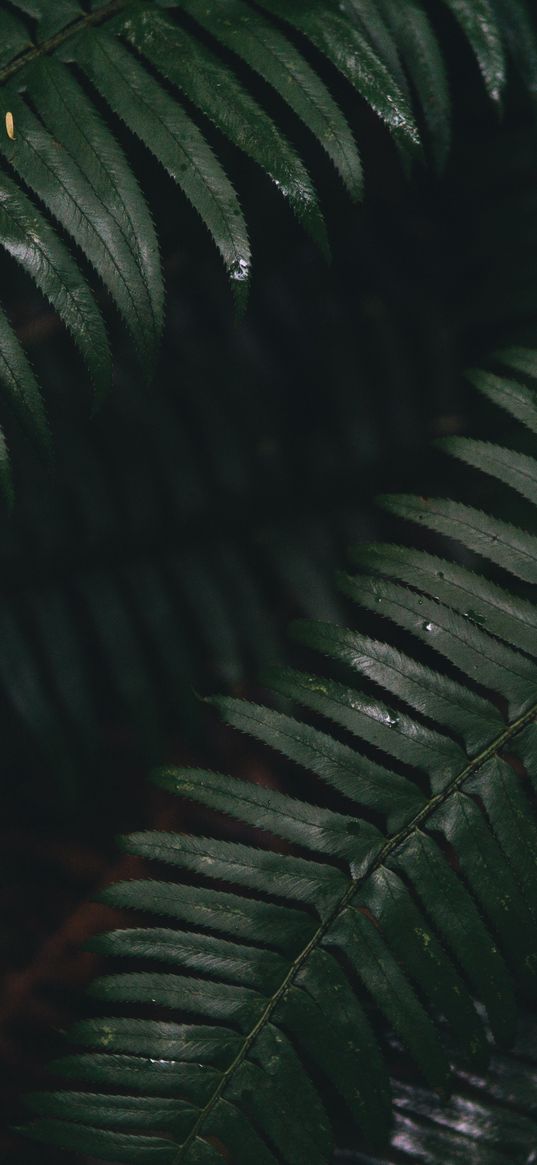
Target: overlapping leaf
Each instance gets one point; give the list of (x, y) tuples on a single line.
[(405, 902), (489, 1119), (70, 190)]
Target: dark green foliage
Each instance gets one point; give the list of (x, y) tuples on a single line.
[(490, 1120), (172, 505), (396, 908), (71, 75), (160, 559)]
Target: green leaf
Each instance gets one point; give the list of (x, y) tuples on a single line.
[(503, 544), (353, 775), (136, 57), (520, 359), (22, 388), (213, 88), (72, 119), (427, 691), (285, 1086), (477, 20), (371, 20), (457, 918), (50, 22), (326, 959), (14, 37), (457, 637), (509, 812), (521, 36), (142, 1074), (117, 1112), (310, 826), (516, 470), (138, 1150), (386, 728), (227, 1123), (415, 945), (241, 865), (495, 887), (85, 211), (327, 1020), (422, 57), (226, 1002), (241, 918), (35, 246), (171, 135), (516, 398), (482, 602), (244, 30), (173, 1041), (194, 952), (352, 54), (372, 961), (524, 746)]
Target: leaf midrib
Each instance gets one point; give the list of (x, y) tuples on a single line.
[(391, 844), (53, 42)]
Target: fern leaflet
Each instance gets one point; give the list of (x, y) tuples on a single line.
[(407, 900)]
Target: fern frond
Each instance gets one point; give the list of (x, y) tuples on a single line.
[(521, 36), (424, 63), (404, 902), (31, 241), (478, 1123), (66, 73), (19, 380), (482, 26), (342, 41), (240, 27)]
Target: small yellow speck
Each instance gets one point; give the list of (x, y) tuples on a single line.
[(10, 126)]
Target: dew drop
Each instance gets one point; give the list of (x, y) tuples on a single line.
[(475, 617), (240, 270)]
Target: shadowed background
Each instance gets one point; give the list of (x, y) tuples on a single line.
[(178, 530)]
